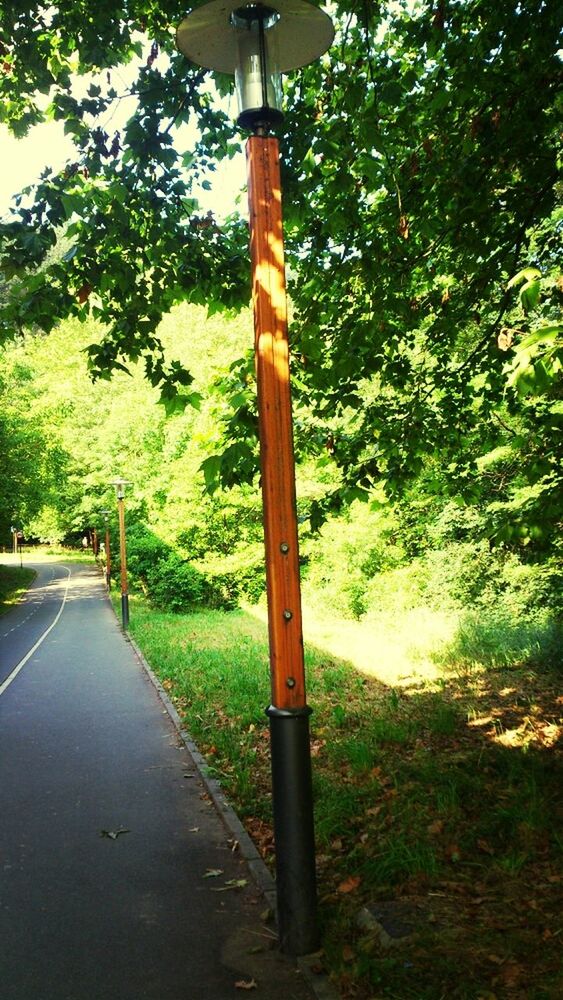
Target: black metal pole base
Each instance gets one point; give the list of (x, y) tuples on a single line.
[(125, 610), (294, 830)]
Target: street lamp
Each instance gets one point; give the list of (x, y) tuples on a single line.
[(106, 514), (256, 42), (120, 485)]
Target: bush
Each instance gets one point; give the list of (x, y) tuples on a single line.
[(347, 554), (175, 585), (460, 573), (232, 578), (144, 551)]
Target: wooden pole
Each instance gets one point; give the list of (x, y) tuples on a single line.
[(108, 558), (275, 425), (288, 712), (123, 562)]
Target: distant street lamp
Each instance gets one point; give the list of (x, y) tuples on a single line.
[(256, 43), (106, 514), (120, 485)]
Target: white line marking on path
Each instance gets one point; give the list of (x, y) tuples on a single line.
[(11, 677)]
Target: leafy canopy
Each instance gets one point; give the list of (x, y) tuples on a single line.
[(419, 167)]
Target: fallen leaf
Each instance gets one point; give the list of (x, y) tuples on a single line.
[(436, 827), (347, 953), (349, 884), (511, 974), (374, 810), (233, 883), (485, 847), (194, 829), (246, 984), (213, 873)]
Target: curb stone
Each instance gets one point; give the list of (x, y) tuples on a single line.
[(319, 983)]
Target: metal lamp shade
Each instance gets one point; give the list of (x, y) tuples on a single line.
[(255, 42)]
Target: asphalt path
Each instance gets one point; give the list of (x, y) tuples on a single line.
[(28, 621), (87, 750)]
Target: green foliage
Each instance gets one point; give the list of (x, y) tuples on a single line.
[(173, 581), (174, 584), (419, 220), (494, 637), (235, 578), (350, 551)]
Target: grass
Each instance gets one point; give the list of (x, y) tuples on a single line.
[(14, 582), (438, 791)]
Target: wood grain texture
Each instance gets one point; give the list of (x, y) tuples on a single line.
[(275, 424)]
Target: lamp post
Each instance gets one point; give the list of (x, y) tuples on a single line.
[(120, 485), (106, 514), (256, 43)]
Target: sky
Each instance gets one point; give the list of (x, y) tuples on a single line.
[(22, 161)]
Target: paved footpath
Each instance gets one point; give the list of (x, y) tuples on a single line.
[(86, 747)]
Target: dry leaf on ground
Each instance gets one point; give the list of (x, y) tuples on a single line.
[(349, 884)]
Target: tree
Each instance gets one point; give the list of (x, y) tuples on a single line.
[(420, 160), (31, 463)]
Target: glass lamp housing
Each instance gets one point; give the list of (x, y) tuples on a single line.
[(257, 77), (255, 43), (120, 485)]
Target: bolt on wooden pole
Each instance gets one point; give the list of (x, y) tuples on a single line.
[(288, 712)]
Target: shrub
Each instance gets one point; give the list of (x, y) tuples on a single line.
[(234, 577), (348, 553), (174, 584), (144, 551)]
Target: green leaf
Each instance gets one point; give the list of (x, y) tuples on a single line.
[(211, 468), (71, 203), (529, 295), (527, 274)]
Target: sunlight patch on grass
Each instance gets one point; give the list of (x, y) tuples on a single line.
[(398, 653)]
